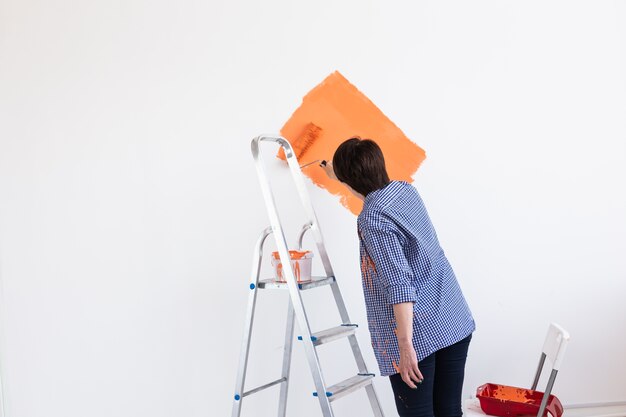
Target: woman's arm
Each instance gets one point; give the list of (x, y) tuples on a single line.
[(384, 243), (404, 332)]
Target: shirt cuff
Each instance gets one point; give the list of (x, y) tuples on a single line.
[(397, 294)]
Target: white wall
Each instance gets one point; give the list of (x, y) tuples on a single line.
[(129, 204)]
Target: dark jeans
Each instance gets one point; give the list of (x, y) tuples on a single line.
[(439, 394)]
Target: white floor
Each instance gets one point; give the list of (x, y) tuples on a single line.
[(605, 411)]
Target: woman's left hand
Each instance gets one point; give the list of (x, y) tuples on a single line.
[(409, 370)]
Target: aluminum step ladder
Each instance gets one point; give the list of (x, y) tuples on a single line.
[(346, 329)]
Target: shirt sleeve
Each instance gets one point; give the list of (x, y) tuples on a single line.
[(383, 244)]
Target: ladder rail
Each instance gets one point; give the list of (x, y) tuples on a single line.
[(305, 228), (283, 253), (287, 351), (249, 321)]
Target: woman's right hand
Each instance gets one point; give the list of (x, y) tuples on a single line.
[(327, 166)]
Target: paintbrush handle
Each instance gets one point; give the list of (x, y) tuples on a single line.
[(322, 163)]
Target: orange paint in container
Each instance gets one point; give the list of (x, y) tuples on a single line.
[(300, 262), (507, 401)]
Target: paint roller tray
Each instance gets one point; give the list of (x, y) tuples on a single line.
[(507, 401)]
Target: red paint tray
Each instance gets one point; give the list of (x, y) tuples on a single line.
[(506, 401)]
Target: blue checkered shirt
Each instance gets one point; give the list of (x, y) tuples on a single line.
[(402, 261)]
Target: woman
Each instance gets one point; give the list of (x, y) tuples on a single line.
[(419, 321)]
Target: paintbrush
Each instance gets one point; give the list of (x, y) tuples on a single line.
[(321, 161)]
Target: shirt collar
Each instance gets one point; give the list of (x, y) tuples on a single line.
[(383, 192)]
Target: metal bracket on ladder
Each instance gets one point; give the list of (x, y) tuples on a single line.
[(296, 311)]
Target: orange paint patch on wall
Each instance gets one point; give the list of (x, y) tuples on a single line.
[(342, 112)]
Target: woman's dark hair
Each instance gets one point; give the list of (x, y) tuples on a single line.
[(360, 164)]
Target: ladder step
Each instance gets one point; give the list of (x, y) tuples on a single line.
[(262, 387), (346, 387), (333, 333), (314, 282)]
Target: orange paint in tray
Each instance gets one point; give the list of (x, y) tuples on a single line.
[(503, 392), (336, 111), (300, 262)]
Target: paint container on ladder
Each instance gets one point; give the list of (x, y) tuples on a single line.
[(300, 262)]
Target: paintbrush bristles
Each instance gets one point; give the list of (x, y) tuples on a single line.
[(309, 135)]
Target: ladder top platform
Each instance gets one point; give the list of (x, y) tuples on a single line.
[(306, 285)]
